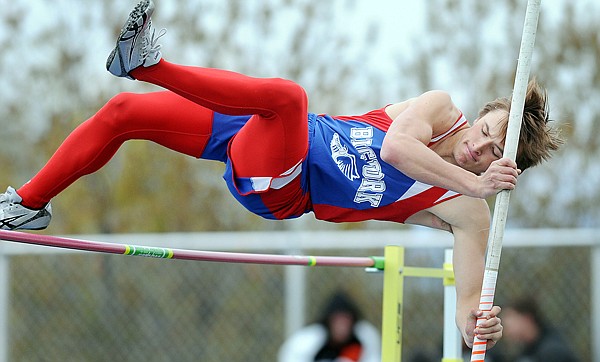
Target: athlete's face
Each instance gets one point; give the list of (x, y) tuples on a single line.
[(482, 143)]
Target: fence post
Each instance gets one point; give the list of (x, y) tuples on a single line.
[(295, 298), (595, 297), (4, 303)]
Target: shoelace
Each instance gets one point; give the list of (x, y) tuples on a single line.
[(151, 46), (7, 197)]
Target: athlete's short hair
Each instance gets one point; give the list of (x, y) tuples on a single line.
[(537, 138)]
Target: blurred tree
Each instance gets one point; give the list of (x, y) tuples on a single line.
[(564, 193), (145, 188), (61, 82), (471, 49)]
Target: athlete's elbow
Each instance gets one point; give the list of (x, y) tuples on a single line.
[(392, 153), (388, 148)]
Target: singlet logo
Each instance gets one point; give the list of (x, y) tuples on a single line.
[(345, 161), (372, 186)]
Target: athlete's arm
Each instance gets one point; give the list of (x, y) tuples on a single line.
[(405, 144), (468, 219)]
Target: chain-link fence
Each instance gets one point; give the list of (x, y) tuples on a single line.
[(93, 307)]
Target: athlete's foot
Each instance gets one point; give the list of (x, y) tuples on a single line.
[(137, 43), (13, 215)]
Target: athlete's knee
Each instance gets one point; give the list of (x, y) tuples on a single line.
[(117, 112), (286, 94)]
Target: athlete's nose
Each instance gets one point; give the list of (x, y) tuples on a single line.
[(480, 145)]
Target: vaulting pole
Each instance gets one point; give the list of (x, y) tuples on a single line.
[(510, 150)]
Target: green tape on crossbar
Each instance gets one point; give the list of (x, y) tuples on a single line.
[(379, 262), (162, 253)]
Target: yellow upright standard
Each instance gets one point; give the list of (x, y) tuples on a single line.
[(393, 289)]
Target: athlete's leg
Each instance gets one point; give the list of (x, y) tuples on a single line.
[(162, 117), (274, 139)]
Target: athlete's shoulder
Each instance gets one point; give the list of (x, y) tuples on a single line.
[(432, 98), (434, 106), (438, 103), (440, 96)]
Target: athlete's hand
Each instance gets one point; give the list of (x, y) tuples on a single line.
[(490, 329), (501, 175)]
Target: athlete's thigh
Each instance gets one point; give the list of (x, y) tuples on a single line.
[(270, 146), (167, 119)]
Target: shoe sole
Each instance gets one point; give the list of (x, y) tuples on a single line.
[(39, 221), (142, 11)]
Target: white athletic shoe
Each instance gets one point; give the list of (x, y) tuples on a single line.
[(137, 43), (13, 215)]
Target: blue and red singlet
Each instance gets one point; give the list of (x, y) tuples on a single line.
[(342, 178)]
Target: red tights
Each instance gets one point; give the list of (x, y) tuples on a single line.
[(270, 143)]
